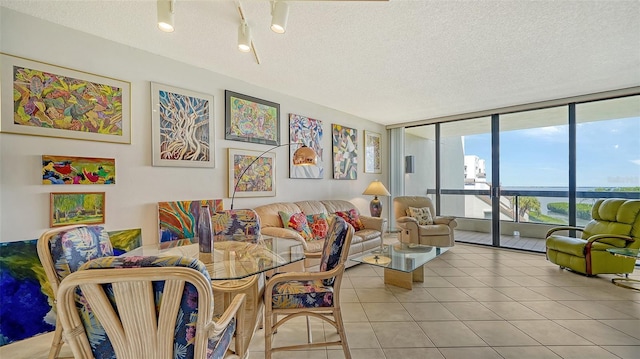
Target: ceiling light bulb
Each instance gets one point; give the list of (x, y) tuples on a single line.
[(244, 37), (279, 17), (165, 15)]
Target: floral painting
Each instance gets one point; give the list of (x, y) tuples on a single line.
[(345, 152), (183, 127), (178, 219), (47, 100), (25, 295), (250, 119), (372, 148), (78, 170), (305, 131), (76, 208), (251, 174)]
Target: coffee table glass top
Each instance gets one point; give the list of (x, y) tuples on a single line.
[(625, 252), (404, 257)]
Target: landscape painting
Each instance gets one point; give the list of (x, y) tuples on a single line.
[(78, 170), (305, 131), (25, 294), (178, 219), (47, 100), (345, 152), (251, 174), (183, 127), (76, 208)]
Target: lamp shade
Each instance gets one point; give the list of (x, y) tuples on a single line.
[(165, 15), (244, 37), (376, 188), (279, 17)]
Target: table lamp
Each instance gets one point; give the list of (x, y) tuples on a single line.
[(376, 188), (303, 156)]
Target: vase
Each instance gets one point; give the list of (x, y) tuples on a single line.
[(205, 230)]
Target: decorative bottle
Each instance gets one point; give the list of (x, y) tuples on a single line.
[(205, 233)]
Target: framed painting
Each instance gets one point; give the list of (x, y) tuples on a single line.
[(252, 179), (305, 131), (372, 148), (78, 170), (183, 127), (250, 119), (46, 100), (345, 152), (76, 208), (178, 219)]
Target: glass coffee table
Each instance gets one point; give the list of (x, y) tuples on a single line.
[(403, 262)]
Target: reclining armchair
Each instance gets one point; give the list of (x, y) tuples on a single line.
[(436, 232), (615, 224)]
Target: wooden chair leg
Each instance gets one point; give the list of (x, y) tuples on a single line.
[(337, 315), (57, 343), (268, 333)]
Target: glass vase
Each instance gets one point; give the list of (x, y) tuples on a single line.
[(205, 230)]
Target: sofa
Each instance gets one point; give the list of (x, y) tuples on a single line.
[(364, 240)]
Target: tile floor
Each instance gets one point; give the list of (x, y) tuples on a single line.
[(476, 302)]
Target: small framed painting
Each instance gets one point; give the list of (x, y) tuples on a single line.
[(251, 174), (78, 170), (182, 125), (46, 100), (250, 119), (372, 148), (76, 208)]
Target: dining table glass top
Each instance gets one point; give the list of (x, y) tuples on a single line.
[(231, 259)]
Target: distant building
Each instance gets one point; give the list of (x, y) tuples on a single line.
[(475, 175)]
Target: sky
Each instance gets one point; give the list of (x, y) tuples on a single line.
[(608, 155)]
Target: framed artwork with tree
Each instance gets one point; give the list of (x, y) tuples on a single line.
[(76, 208)]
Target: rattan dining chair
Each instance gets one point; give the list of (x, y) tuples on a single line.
[(311, 294), (62, 251)]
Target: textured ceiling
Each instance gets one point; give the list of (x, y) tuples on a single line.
[(388, 62)]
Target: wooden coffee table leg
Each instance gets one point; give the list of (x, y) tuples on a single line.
[(403, 279)]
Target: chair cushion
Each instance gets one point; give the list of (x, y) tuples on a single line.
[(333, 247), (301, 294), (217, 346), (422, 215), (565, 244), (319, 224), (352, 217), (71, 249), (297, 222)]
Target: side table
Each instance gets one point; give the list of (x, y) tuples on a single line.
[(625, 252)]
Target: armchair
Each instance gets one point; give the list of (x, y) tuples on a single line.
[(615, 224), (145, 308), (62, 251), (439, 233), (315, 294)]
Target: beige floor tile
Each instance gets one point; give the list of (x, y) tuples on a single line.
[(537, 352), (296, 333), (465, 282), (486, 295), (353, 312), (556, 293), (500, 333), (386, 312), (520, 293), (411, 295), (436, 282), (467, 353), (525, 280), (470, 311), (448, 271), (512, 310), (428, 311), (355, 353), (401, 335), (477, 272), (582, 352), (630, 308), (624, 351), (413, 353), (598, 333), (360, 271), (367, 282), (449, 294), (496, 281), (359, 336), (375, 295), (451, 334), (553, 310), (594, 309), (628, 326), (307, 354), (547, 332)]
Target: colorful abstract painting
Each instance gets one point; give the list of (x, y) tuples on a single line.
[(25, 294), (305, 131), (78, 170), (251, 174), (47, 100), (345, 152), (250, 119), (372, 148), (178, 220), (183, 127), (76, 208)]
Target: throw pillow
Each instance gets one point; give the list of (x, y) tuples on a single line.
[(352, 217), (319, 225), (297, 222), (423, 215)]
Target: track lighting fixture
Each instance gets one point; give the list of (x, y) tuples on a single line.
[(166, 9), (279, 16), (244, 37)]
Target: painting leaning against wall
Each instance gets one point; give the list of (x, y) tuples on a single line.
[(78, 170)]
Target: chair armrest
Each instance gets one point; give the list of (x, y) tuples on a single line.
[(407, 219), (448, 220), (599, 237), (235, 309), (284, 233), (563, 228), (376, 223)]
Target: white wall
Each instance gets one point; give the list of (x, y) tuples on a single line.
[(131, 203)]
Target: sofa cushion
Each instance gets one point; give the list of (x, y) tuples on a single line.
[(337, 205), (269, 216), (352, 217), (367, 234), (319, 225), (311, 207), (422, 215), (315, 246), (297, 222)]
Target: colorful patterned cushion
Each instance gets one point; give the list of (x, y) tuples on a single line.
[(187, 313), (352, 217), (423, 215), (236, 221), (297, 222), (333, 247), (319, 225), (301, 294), (70, 249)]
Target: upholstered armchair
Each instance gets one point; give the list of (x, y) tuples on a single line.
[(434, 231), (311, 294), (243, 222), (146, 308), (615, 224), (62, 251)]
